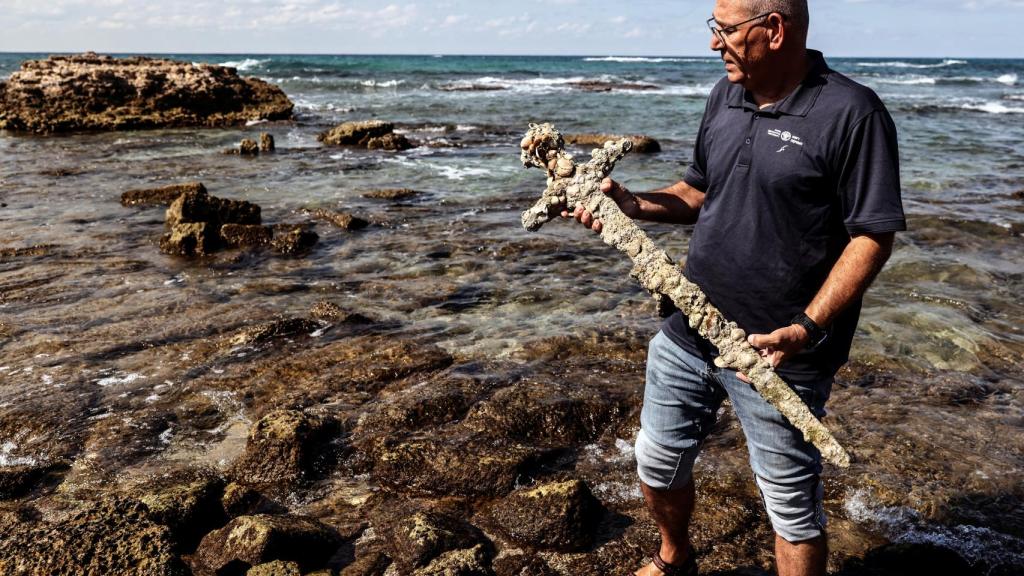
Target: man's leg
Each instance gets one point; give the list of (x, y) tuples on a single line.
[(680, 405), (787, 470)]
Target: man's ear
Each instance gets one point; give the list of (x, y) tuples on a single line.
[(776, 31)]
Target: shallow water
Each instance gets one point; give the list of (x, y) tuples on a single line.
[(96, 324)]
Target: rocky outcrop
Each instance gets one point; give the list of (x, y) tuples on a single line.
[(559, 516), (94, 92), (246, 235), (199, 206), (293, 239), (391, 194), (370, 134), (641, 144), (186, 501), (603, 86), (342, 220), (249, 541), (276, 568), (116, 537), (284, 448), (163, 196), (418, 539)]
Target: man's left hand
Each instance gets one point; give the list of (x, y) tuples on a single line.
[(779, 345)]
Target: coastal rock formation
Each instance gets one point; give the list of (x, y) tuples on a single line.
[(370, 134), (246, 235), (641, 144), (249, 541), (285, 447), (602, 86), (92, 92), (558, 516), (293, 239), (186, 501), (391, 194), (163, 196), (418, 539), (114, 537), (342, 220)]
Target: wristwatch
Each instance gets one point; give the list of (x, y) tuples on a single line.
[(817, 334)]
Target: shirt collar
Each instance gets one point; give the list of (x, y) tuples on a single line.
[(800, 101)]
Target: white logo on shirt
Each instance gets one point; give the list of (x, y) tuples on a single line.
[(783, 149), (786, 137)]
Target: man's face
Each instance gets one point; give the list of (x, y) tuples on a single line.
[(744, 49)]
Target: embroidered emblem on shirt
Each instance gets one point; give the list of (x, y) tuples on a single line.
[(786, 137)]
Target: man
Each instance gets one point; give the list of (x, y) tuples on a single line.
[(795, 179)]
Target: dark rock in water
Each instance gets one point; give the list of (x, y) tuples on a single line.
[(285, 447), (16, 481), (466, 466), (249, 147), (163, 196), (600, 86), (273, 330), (522, 565), (641, 144), (342, 220), (468, 87), (267, 142), (199, 206), (1019, 195), (187, 502), (471, 562), (391, 194), (392, 142), (275, 568), (900, 559), (249, 541), (331, 312), (246, 235), (371, 563), (242, 500), (115, 537), (356, 133), (418, 539), (93, 92), (429, 403), (190, 239), (293, 239), (560, 516)]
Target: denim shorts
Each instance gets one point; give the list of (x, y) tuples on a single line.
[(682, 396)]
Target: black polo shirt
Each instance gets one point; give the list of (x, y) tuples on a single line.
[(786, 187)]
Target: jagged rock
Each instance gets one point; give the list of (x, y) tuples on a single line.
[(93, 92), (275, 568), (242, 500), (187, 502), (641, 144), (267, 142), (392, 142), (199, 206), (391, 194), (249, 147), (273, 330), (114, 537), (559, 516), (249, 541), (163, 196), (601, 86), (356, 133), (190, 239), (331, 312), (246, 235), (428, 403), (16, 481), (418, 539), (293, 239), (342, 220), (522, 565), (285, 447), (469, 562), (370, 563)]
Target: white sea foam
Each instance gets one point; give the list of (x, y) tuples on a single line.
[(897, 64), (116, 380), (7, 459), (457, 173), (993, 108), (905, 526), (1018, 97), (639, 59), (381, 84), (1008, 79), (916, 81), (244, 65)]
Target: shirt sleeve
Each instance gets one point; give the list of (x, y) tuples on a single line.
[(869, 177)]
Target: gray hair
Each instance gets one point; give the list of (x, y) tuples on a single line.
[(794, 10)]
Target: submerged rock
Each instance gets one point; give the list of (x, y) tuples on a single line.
[(560, 516), (285, 447), (601, 86), (392, 142), (641, 144), (273, 330), (293, 239), (249, 541), (163, 196), (187, 502), (331, 312), (342, 220), (246, 235), (94, 92), (391, 194), (419, 539), (115, 537)]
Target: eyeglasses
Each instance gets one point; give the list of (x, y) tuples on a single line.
[(722, 33)]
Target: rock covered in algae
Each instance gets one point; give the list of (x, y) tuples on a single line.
[(558, 516), (95, 92), (249, 541), (285, 447), (164, 195), (370, 134)]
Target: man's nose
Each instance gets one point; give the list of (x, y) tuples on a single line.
[(716, 43)]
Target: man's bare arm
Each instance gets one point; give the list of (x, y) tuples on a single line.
[(849, 279), (679, 203)]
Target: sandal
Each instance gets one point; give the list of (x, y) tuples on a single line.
[(688, 568)]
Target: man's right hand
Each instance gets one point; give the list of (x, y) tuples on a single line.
[(627, 202)]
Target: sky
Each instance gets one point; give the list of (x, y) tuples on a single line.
[(921, 28)]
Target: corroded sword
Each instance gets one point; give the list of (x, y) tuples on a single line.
[(571, 185)]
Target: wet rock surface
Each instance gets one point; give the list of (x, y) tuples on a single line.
[(370, 134), (286, 447), (250, 541), (391, 194), (96, 92), (342, 220), (560, 516), (162, 196)]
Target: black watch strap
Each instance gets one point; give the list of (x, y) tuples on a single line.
[(817, 334)]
